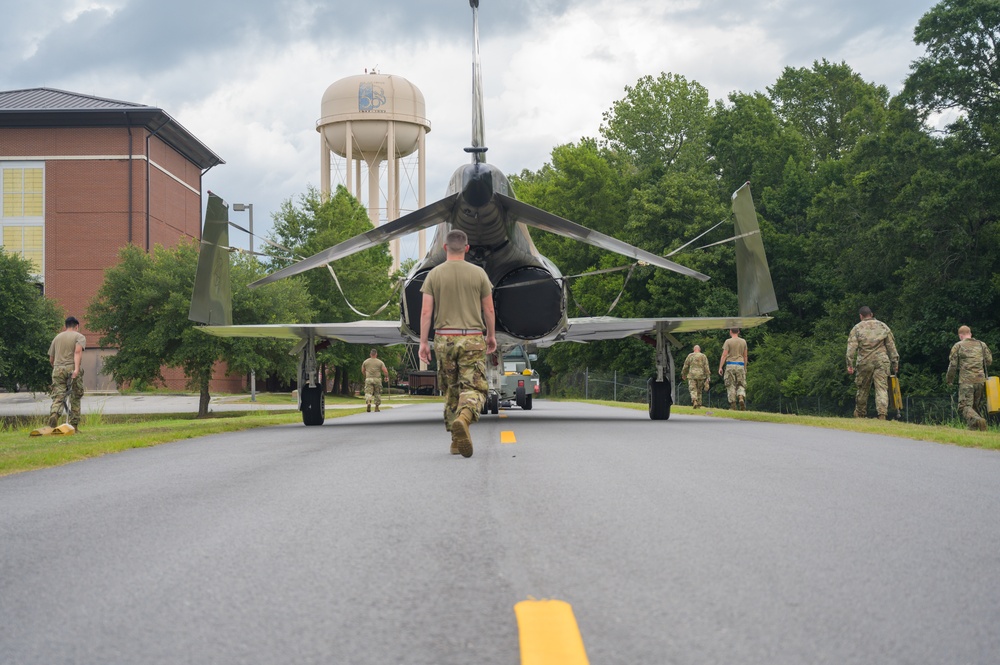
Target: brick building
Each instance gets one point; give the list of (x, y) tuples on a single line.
[(83, 176)]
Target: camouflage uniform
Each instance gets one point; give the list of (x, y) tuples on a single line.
[(969, 359), (372, 368), (871, 350), (696, 373), (62, 354), (462, 373), (735, 353), (61, 378)]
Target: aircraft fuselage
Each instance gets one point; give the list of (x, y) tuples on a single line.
[(529, 296)]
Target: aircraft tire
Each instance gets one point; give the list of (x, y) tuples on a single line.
[(313, 406), (658, 393), (527, 403), (494, 401)]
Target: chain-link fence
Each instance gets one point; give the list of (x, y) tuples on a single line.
[(620, 387)]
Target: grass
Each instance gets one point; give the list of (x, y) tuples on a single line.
[(104, 434), (955, 436)]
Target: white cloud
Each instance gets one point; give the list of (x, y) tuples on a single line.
[(249, 79)]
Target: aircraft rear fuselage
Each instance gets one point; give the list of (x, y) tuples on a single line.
[(529, 298)]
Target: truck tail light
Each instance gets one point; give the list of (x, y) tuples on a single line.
[(520, 383)]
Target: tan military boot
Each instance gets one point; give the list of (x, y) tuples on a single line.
[(981, 425), (460, 436), (53, 421), (881, 416), (732, 406), (369, 408), (377, 409), (743, 403)]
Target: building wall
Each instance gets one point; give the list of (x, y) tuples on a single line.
[(90, 216)]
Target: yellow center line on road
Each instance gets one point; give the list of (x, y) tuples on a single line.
[(507, 436), (548, 633)]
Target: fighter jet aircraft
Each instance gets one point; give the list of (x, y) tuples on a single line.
[(530, 293)]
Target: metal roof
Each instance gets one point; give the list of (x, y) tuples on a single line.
[(48, 107)]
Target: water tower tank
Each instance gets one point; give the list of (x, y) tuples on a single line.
[(370, 102), (371, 120)]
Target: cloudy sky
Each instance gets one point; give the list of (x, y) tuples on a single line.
[(247, 77)]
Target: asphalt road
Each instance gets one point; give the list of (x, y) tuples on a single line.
[(697, 540)]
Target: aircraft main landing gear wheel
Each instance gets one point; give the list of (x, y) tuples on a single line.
[(313, 406), (527, 403), (658, 393), (494, 403)]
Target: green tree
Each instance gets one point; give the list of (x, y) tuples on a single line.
[(660, 124), (142, 307), (28, 320), (829, 104), (960, 70), (363, 281)]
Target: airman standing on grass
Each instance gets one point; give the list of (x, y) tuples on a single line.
[(969, 359), (373, 382), (735, 358), (696, 373), (65, 356)]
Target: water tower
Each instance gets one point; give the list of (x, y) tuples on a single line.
[(370, 119)]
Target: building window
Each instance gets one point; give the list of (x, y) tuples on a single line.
[(22, 212)]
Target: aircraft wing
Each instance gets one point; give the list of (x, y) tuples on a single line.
[(426, 217), (595, 328), (382, 333), (537, 218)]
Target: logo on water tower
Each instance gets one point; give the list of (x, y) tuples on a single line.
[(371, 98)]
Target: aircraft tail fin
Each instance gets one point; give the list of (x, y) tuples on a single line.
[(212, 300), (478, 148), (753, 278)]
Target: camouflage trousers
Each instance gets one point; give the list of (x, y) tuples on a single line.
[(735, 379), (972, 402), (864, 376), (461, 363), (373, 391), (695, 386), (60, 386)]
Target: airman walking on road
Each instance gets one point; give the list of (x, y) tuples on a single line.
[(372, 368), (458, 304), (735, 358), (871, 351), (969, 359), (696, 372)]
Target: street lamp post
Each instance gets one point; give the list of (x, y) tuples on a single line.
[(240, 207)]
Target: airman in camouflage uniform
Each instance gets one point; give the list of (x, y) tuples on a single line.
[(696, 373), (461, 374), (65, 355), (871, 352), (735, 358), (969, 359), (458, 300), (373, 369)]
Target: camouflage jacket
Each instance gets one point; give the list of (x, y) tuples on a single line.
[(695, 366), (969, 359), (871, 341)]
